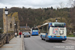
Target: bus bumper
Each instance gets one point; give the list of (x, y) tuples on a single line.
[(63, 38), (34, 34)]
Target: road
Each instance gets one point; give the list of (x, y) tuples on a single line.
[(35, 43)]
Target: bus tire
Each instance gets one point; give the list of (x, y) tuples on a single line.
[(47, 40), (42, 38), (60, 41)]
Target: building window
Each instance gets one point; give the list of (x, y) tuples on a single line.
[(10, 25)]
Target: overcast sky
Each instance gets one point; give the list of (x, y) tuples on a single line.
[(33, 3)]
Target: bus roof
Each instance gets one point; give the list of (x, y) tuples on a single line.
[(44, 24), (57, 22), (52, 22)]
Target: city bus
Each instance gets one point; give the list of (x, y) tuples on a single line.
[(34, 31), (53, 31)]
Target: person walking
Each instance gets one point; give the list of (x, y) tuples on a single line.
[(20, 33), (15, 34)]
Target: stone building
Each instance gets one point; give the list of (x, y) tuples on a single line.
[(10, 22)]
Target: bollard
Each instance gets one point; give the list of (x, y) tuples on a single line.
[(7, 39)]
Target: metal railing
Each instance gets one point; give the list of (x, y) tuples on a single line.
[(2, 36), (5, 38)]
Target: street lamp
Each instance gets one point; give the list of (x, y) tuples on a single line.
[(14, 27), (6, 13)]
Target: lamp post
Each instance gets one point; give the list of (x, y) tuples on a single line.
[(6, 13)]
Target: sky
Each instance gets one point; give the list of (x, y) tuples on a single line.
[(34, 3)]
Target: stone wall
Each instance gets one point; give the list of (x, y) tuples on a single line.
[(11, 22), (9, 27), (4, 22)]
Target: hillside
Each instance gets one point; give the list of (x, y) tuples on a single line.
[(37, 16)]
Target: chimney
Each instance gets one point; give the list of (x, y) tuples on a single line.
[(26, 25)]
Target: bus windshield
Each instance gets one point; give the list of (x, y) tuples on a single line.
[(58, 25), (35, 29)]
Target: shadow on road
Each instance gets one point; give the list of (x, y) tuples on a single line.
[(55, 42)]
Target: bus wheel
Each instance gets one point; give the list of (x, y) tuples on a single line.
[(60, 41), (42, 38), (47, 40)]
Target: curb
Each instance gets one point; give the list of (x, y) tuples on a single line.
[(70, 39), (23, 45)]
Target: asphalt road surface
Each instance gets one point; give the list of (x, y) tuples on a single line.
[(35, 43)]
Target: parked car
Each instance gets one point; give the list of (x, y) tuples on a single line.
[(26, 34)]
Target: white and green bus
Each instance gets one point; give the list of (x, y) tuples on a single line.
[(53, 31)]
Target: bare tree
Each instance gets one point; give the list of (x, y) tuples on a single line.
[(61, 4), (72, 14), (71, 3)]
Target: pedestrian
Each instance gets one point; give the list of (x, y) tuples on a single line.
[(15, 34), (29, 32), (20, 33)]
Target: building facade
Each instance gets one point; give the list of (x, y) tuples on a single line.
[(10, 22)]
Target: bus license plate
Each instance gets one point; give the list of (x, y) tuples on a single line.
[(58, 36)]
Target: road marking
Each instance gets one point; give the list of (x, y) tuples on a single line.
[(37, 44)]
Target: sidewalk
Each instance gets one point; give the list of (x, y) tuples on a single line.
[(71, 38), (15, 44)]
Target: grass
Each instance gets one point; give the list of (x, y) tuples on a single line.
[(70, 35)]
